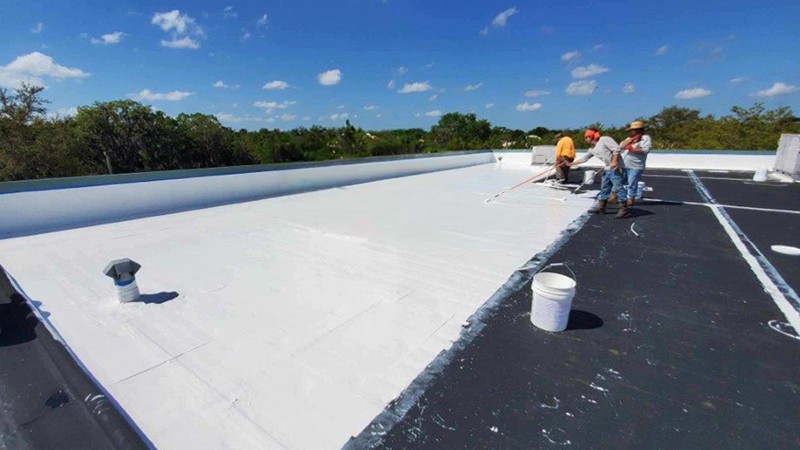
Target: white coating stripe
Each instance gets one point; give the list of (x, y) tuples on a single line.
[(782, 294), (718, 205)]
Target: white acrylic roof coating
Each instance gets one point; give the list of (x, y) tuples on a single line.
[(298, 318)]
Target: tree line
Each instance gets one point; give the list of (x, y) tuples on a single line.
[(125, 136)]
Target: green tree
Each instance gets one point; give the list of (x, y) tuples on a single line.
[(133, 136)]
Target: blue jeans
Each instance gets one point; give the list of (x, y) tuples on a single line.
[(632, 183), (613, 181)]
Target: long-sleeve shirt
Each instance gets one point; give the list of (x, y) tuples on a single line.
[(638, 160), (565, 147), (603, 150)]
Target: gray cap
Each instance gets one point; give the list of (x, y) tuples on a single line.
[(122, 269)]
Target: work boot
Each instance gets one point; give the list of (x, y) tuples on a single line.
[(623, 210), (600, 208)]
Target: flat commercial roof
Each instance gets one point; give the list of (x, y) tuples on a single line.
[(287, 322)]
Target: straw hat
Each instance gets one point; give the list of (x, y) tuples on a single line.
[(636, 125)]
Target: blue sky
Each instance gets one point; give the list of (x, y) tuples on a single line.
[(402, 63)]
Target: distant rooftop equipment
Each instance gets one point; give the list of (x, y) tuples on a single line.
[(542, 154), (787, 160), (123, 271)]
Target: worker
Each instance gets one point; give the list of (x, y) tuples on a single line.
[(637, 147), (565, 153), (607, 150)]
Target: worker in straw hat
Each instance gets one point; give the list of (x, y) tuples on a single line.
[(606, 149), (636, 147)]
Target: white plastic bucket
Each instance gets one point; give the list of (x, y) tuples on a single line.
[(760, 175), (552, 299), (640, 190), (588, 177)]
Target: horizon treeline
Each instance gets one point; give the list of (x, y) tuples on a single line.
[(131, 137)]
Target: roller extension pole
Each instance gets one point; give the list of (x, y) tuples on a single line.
[(549, 168)]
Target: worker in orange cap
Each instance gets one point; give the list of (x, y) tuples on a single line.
[(607, 150), (637, 147)]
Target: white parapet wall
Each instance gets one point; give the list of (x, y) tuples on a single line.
[(41, 206), (699, 160)]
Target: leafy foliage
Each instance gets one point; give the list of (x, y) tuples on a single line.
[(131, 137)]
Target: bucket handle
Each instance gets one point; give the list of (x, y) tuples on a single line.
[(574, 277)]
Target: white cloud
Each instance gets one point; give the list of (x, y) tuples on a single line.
[(176, 22), (276, 85), (378, 115), (433, 97), (598, 47), (173, 96), (31, 67), (340, 107), (306, 118), (340, 116), (583, 87), (38, 28), (662, 50), (688, 94), (777, 89), (221, 85), (473, 87), (245, 36), (39, 64), (271, 106), (287, 117), (434, 113), (588, 71), (63, 113), (109, 39), (569, 56), (390, 84), (402, 70), (525, 107), (370, 107), (262, 21), (330, 77), (185, 42), (430, 64), (737, 80), (628, 88), (536, 93), (181, 26), (228, 12), (489, 106), (501, 19), (231, 118), (420, 86)]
